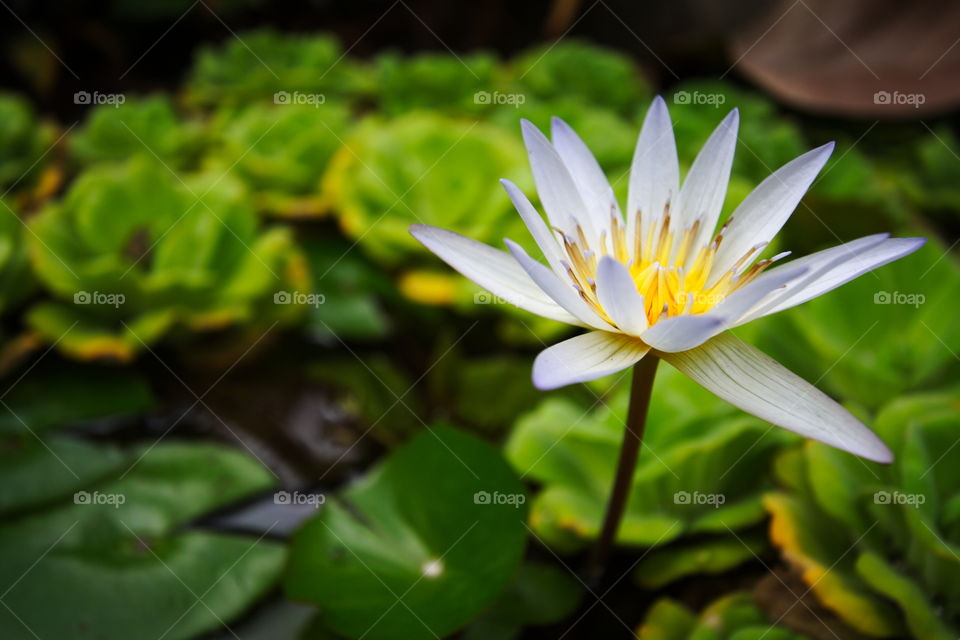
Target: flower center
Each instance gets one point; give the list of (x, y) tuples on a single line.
[(670, 273)]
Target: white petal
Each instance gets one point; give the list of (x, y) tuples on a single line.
[(680, 333), (817, 264), (560, 291), (845, 266), (585, 357), (747, 378), (538, 228), (746, 298), (555, 185), (705, 186), (591, 182), (492, 269), (655, 171), (618, 295), (763, 213)]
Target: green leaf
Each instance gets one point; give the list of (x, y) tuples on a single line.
[(391, 174), (281, 152), (697, 473), (576, 69), (711, 556), (23, 142), (731, 617), (36, 472), (922, 618), (436, 82), (132, 250), (113, 564), (540, 594), (257, 65), (414, 550), (138, 126)]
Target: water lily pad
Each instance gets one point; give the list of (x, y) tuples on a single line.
[(112, 563), (418, 547)]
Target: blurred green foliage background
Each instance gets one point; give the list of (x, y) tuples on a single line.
[(257, 219)]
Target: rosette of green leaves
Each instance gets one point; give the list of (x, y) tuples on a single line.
[(436, 82), (427, 168), (582, 71), (701, 475), (282, 151), (732, 617), (880, 545), (265, 66), (131, 251), (138, 126), (16, 279), (24, 142)]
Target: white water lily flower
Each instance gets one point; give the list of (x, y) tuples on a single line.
[(659, 280)]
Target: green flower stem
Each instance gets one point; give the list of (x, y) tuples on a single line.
[(640, 392)]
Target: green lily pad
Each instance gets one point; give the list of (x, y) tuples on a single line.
[(35, 472), (113, 564), (418, 547)]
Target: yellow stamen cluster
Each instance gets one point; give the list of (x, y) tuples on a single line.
[(669, 281)]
